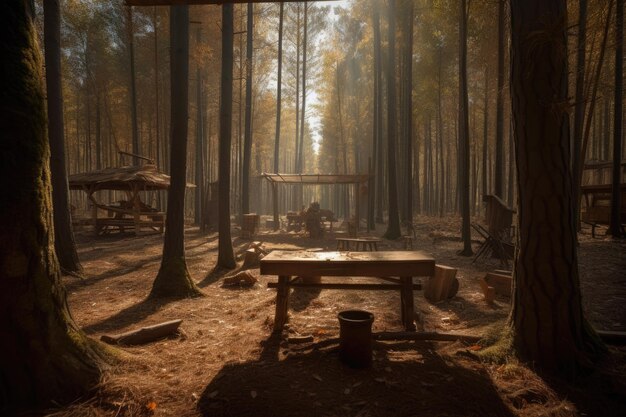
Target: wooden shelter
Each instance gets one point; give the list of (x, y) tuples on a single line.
[(130, 213), (323, 179), (596, 194)]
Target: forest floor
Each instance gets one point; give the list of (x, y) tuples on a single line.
[(226, 363)]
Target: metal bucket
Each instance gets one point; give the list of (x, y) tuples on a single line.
[(355, 338)]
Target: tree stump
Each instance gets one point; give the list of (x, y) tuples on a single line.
[(442, 285)]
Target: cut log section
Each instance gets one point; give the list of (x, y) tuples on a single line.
[(443, 285), (496, 284), (144, 335)]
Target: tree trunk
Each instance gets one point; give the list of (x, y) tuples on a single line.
[(485, 132), (464, 133), (618, 126), (64, 244), (173, 279), (247, 140), (278, 110), (225, 256), (300, 156), (579, 105), (199, 191), (44, 357), (133, 88), (439, 196), (378, 97), (499, 168), (547, 320), (408, 89), (393, 227)]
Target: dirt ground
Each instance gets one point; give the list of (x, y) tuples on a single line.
[(226, 363)]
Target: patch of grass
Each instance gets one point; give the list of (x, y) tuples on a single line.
[(498, 345)]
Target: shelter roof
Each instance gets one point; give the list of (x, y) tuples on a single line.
[(317, 179), (146, 177)]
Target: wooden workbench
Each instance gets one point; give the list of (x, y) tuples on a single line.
[(396, 268)]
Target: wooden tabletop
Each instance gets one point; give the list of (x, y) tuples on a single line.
[(392, 263), (359, 239)]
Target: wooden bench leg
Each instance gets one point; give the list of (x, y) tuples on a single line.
[(406, 302), (282, 303)]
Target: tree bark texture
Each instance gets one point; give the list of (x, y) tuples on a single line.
[(44, 357), (247, 139), (579, 105), (464, 149), (133, 87), (64, 244), (618, 126), (499, 168), (393, 227), (278, 111), (225, 255), (378, 114), (173, 279), (549, 328)]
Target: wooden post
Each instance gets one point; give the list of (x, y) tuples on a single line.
[(94, 210), (136, 207), (356, 210), (406, 298), (282, 303)]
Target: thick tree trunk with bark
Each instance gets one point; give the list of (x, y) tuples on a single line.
[(579, 105), (64, 244), (173, 279), (44, 357), (225, 255), (547, 320), (393, 227), (618, 127)]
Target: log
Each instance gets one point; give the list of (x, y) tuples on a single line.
[(241, 279), (144, 335), (612, 338), (502, 284), (442, 285)]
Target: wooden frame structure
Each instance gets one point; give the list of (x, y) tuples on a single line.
[(127, 214), (322, 179), (199, 2)]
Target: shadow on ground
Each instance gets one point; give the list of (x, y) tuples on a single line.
[(133, 314), (407, 379)]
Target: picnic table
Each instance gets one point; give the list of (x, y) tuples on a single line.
[(363, 243), (397, 268)]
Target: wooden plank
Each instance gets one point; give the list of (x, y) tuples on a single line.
[(612, 338), (355, 286), (366, 264), (200, 2), (144, 335)]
